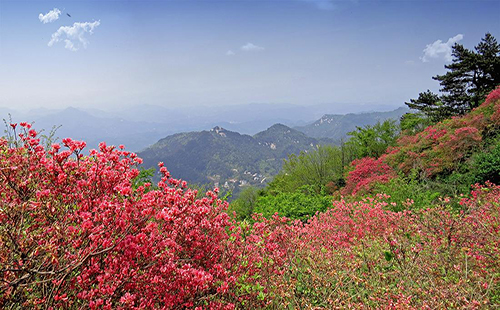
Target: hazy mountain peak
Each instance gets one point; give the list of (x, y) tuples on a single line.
[(217, 129), (279, 126), (336, 126)]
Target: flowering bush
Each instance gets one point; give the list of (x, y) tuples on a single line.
[(74, 233), (494, 97), (367, 172)]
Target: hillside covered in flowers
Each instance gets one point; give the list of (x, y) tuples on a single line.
[(80, 230)]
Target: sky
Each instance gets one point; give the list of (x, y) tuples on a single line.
[(111, 54)]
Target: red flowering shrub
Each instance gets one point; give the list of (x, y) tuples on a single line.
[(73, 232), (367, 171), (493, 98)]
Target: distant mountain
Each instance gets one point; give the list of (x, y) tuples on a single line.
[(336, 126), (81, 125), (225, 158), (255, 117)]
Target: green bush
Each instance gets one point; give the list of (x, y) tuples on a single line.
[(296, 205), (245, 204), (407, 193), (486, 166)]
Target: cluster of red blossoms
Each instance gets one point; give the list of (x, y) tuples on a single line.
[(74, 232)]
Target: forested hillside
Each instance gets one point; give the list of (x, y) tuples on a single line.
[(228, 159), (443, 160)]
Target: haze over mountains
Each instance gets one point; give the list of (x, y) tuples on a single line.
[(139, 126)]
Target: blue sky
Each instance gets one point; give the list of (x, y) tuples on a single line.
[(188, 53)]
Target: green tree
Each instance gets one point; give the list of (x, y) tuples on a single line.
[(486, 165), (144, 176), (430, 105), (412, 123), (373, 141), (245, 204), (311, 169), (295, 205)]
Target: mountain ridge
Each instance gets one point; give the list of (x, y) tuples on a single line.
[(336, 126), (226, 158)]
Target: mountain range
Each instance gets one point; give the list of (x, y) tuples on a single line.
[(139, 126), (93, 129), (232, 160)]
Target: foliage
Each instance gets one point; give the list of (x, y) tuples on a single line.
[(144, 178), (412, 123), (486, 165), (323, 169), (430, 105), (245, 205), (313, 169), (373, 141), (470, 77), (295, 205), (407, 193), (447, 148)]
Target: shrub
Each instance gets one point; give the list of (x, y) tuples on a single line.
[(74, 233), (486, 166), (366, 173), (407, 193), (296, 205)]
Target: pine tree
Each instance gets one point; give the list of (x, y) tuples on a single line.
[(431, 105), (456, 84), (489, 66)]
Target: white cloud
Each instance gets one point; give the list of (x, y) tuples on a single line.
[(74, 36), (50, 16), (250, 47), (440, 49), (322, 4), (230, 53)]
